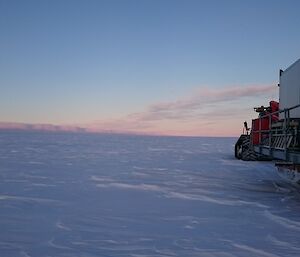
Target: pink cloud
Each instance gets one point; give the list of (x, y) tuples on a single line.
[(205, 96), (198, 114)]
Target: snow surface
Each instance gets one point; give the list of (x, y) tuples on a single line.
[(113, 195)]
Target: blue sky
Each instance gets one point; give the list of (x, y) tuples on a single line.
[(90, 62)]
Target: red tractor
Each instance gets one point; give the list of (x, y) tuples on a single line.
[(244, 147)]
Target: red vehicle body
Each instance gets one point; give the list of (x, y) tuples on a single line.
[(261, 125)]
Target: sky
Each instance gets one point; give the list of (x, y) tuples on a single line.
[(163, 67)]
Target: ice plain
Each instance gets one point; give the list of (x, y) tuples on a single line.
[(84, 195)]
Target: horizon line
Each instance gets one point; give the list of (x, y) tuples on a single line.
[(52, 128)]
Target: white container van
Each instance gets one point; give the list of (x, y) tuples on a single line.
[(289, 89)]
